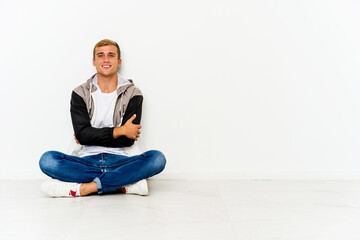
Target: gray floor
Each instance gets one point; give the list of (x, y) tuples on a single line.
[(222, 210)]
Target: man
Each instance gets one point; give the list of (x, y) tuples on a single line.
[(106, 114)]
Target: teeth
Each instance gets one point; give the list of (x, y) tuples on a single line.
[(106, 66)]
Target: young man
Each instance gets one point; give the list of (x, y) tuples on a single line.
[(105, 113)]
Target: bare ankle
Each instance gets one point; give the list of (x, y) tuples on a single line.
[(87, 188)]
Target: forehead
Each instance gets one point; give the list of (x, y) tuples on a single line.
[(106, 49)]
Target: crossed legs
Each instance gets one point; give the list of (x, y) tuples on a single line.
[(102, 172)]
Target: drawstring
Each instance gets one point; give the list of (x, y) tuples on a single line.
[(91, 94), (121, 110)]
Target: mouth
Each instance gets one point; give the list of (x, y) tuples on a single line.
[(106, 66)]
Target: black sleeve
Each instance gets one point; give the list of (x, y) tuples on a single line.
[(88, 135), (134, 107)]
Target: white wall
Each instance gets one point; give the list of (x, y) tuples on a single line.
[(233, 89)]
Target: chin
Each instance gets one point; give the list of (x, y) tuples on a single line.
[(107, 74)]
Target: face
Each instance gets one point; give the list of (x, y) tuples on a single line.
[(106, 60)]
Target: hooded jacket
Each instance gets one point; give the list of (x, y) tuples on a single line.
[(82, 107)]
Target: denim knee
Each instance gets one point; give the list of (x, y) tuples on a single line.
[(158, 160), (48, 162)]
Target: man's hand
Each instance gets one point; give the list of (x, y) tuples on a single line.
[(128, 130)]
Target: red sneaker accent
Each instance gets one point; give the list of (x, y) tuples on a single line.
[(123, 190), (72, 193)]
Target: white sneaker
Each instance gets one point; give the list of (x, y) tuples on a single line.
[(56, 188), (138, 188)]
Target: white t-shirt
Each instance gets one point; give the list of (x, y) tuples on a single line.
[(103, 117)]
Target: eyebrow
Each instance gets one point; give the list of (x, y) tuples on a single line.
[(104, 53)]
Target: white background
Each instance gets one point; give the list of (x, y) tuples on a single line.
[(232, 89)]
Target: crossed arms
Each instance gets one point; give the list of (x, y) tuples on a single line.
[(123, 136)]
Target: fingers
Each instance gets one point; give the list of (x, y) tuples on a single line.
[(132, 118), (137, 136), (132, 131)]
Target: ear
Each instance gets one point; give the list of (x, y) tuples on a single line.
[(119, 62), (94, 62)]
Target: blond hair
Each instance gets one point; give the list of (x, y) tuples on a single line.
[(106, 42)]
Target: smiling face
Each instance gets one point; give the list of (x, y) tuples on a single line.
[(106, 60)]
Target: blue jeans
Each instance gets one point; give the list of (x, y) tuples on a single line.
[(108, 171)]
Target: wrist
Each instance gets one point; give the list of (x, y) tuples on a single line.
[(118, 131)]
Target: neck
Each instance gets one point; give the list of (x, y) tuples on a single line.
[(107, 84)]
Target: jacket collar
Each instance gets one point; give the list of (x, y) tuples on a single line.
[(123, 84)]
